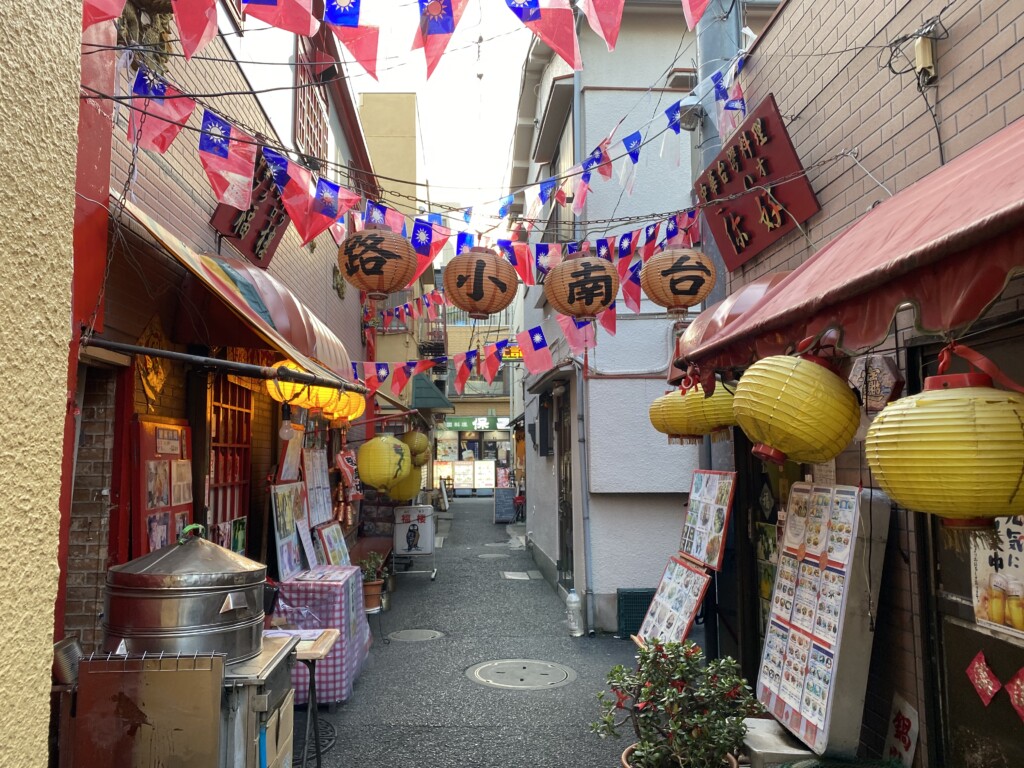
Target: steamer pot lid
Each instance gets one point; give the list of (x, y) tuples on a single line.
[(194, 562)]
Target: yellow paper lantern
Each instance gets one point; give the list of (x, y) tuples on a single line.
[(326, 399), (407, 488), (795, 408), (416, 440), (480, 282), (419, 459), (691, 416), (383, 461), (678, 278), (377, 261), (954, 450), (583, 287), (287, 391), (349, 406)]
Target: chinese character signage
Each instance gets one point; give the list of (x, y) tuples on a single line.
[(512, 354), (256, 231), (901, 741), (475, 423), (759, 157), (998, 577)]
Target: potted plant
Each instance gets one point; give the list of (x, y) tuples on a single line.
[(686, 712), (373, 581)]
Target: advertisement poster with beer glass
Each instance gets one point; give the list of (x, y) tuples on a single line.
[(998, 577)]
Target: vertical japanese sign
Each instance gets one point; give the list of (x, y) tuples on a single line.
[(755, 190), (998, 577)]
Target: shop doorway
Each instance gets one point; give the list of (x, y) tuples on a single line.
[(563, 441)]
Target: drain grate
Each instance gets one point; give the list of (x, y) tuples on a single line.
[(521, 674), (328, 738), (415, 635), (496, 544), (492, 556)]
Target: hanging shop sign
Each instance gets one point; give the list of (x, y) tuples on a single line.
[(474, 423), (256, 231), (513, 353), (759, 157)]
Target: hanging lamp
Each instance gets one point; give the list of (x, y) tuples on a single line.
[(690, 416), (377, 260), (383, 461), (284, 391), (481, 282), (582, 288), (678, 278)]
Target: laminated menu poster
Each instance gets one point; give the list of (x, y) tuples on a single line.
[(707, 518), (676, 602), (318, 486), (808, 603)]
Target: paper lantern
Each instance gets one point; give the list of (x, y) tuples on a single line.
[(795, 408), (691, 416), (582, 288), (416, 440), (678, 278), (955, 450), (383, 461), (287, 391), (407, 488), (377, 261), (326, 399), (349, 406), (419, 459), (480, 282)]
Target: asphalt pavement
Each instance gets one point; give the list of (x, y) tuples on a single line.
[(414, 705)]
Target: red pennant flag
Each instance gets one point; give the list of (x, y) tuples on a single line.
[(631, 288), (438, 20), (579, 198), (374, 375), (693, 10), (580, 337), (290, 15), (158, 113), (557, 27), (401, 315), (431, 309), (560, 194), (415, 309), (362, 43), (627, 246), (492, 360), (229, 158), (95, 11), (536, 353), (403, 374), (197, 23), (438, 297), (387, 318), (605, 18), (394, 221), (650, 240), (604, 166), (608, 319), (298, 199), (463, 368)]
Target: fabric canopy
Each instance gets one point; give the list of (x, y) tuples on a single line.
[(266, 305), (947, 245)]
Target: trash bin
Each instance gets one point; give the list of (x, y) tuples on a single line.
[(414, 530)]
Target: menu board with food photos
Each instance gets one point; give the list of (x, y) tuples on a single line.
[(795, 681), (707, 518), (676, 602)]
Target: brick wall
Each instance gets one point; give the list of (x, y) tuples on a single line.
[(90, 509)]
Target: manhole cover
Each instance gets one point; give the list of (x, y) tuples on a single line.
[(328, 738), (415, 635), (492, 556), (521, 674)]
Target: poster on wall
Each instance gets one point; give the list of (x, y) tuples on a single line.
[(676, 602), (997, 577), (443, 470), (318, 486), (289, 469), (707, 517), (332, 541), (807, 606), (287, 500), (447, 449), (161, 482), (463, 474)]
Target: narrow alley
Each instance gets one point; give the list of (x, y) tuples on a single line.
[(413, 704)]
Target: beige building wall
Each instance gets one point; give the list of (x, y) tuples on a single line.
[(389, 123), (37, 158)]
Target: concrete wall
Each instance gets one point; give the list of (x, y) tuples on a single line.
[(37, 157), (389, 123)]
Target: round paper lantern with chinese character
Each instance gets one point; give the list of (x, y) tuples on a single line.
[(416, 440), (690, 416), (582, 288), (377, 261), (407, 488), (955, 450), (287, 391), (383, 461), (480, 282), (678, 278), (795, 408)]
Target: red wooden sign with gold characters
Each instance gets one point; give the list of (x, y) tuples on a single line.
[(755, 190)]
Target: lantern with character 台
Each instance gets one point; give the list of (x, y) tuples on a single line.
[(582, 288), (480, 282), (377, 260), (678, 278)]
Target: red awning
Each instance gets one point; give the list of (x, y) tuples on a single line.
[(947, 245)]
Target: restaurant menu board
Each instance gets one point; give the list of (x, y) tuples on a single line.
[(676, 602), (807, 608), (707, 519), (318, 486), (289, 501), (443, 470), (483, 474), (463, 474)]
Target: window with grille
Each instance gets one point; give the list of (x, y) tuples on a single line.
[(311, 118), (230, 450)]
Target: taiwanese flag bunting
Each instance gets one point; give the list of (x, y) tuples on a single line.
[(536, 354), (605, 18), (290, 15), (463, 368), (197, 23), (464, 241), (400, 313), (672, 228), (670, 139), (627, 174), (693, 10), (601, 159), (402, 374), (438, 297), (650, 240), (438, 19), (338, 230), (545, 189), (407, 312), (572, 248), (560, 194), (158, 114), (627, 244), (332, 200), (608, 318), (518, 255), (492, 360), (429, 307), (547, 257), (553, 22), (229, 159), (689, 227), (580, 195), (95, 11), (374, 375), (387, 318), (428, 239), (631, 288), (361, 41), (606, 248), (415, 309), (579, 335)]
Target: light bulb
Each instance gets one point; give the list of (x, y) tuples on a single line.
[(287, 431)]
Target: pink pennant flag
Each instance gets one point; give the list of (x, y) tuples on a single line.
[(430, 308), (463, 368), (605, 18), (580, 337), (579, 198), (693, 10), (631, 288), (158, 113), (338, 231), (608, 319), (650, 240), (387, 318), (536, 353), (438, 297), (95, 11), (402, 374), (197, 23), (297, 197), (438, 20), (416, 309), (554, 23), (627, 246), (394, 220), (290, 15), (362, 43), (229, 158), (492, 361)]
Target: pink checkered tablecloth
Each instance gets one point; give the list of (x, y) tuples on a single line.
[(319, 604)]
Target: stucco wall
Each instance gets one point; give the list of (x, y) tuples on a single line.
[(37, 158)]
